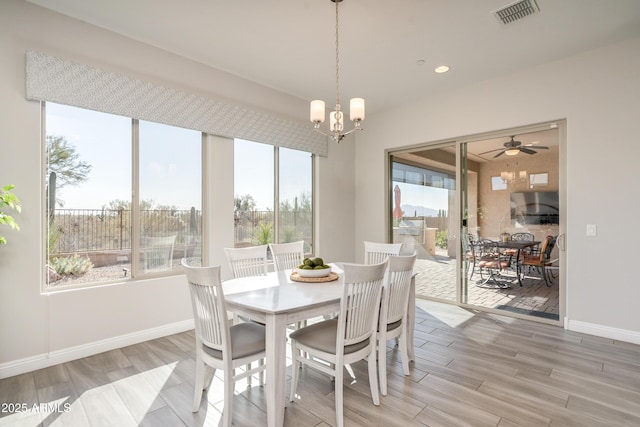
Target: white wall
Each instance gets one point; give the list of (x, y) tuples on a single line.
[(38, 330), (598, 93)]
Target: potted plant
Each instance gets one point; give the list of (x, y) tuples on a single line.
[(8, 200)]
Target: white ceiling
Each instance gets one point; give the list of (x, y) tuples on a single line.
[(289, 44)]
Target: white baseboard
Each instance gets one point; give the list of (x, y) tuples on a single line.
[(45, 360), (603, 331)]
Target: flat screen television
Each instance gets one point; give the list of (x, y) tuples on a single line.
[(535, 207)]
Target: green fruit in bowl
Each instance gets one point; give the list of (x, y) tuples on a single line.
[(319, 267), (318, 261)]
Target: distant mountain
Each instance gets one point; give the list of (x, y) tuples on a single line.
[(411, 210)]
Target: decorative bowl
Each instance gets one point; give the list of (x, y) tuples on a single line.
[(314, 273)]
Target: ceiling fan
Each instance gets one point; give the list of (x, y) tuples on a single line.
[(511, 148)]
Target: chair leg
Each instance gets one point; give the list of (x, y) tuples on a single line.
[(404, 352), (227, 411), (382, 365), (339, 396), (295, 367), (373, 377), (261, 373), (544, 276), (199, 383)]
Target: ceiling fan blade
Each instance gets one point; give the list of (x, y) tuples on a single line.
[(527, 150), (539, 147), (491, 151), (499, 154)]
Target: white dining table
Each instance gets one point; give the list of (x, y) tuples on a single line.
[(277, 301)]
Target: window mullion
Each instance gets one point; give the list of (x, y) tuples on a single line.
[(135, 197), (276, 195)]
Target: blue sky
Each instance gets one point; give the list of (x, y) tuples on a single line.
[(420, 195), (254, 165), (170, 168)]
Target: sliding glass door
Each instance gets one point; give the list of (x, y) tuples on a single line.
[(446, 198), (424, 216)]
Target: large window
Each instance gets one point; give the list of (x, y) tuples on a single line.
[(266, 212), (117, 187)]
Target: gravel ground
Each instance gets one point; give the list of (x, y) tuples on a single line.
[(96, 274)]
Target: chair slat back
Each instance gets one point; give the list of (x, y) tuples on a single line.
[(287, 255), (209, 307), (359, 308), (375, 253), (158, 252), (396, 293), (522, 237), (246, 262)]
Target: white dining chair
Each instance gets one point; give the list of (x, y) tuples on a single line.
[(246, 262), (219, 345), (393, 314), (287, 256), (375, 253), (158, 253), (346, 339)]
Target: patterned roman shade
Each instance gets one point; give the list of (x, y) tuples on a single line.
[(56, 80)]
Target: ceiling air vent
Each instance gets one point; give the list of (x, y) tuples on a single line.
[(516, 11)]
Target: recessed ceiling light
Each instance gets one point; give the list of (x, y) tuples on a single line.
[(441, 69), (420, 62)]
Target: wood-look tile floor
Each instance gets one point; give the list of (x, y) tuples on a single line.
[(471, 369)]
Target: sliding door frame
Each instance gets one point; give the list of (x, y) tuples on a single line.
[(459, 144)]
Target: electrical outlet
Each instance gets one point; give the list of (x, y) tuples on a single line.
[(591, 230)]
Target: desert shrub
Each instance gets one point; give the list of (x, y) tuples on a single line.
[(263, 234), (442, 239), (72, 265)]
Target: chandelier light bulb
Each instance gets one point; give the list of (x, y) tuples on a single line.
[(356, 109), (317, 111)]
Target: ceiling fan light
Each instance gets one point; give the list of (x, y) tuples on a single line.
[(511, 151)]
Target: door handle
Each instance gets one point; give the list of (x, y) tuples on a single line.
[(562, 244)]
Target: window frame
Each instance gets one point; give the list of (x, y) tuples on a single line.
[(137, 273), (276, 191)]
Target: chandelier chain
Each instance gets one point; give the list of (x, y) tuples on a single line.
[(337, 61)]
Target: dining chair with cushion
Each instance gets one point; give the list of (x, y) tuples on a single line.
[(375, 253), (218, 344), (246, 262), (541, 259), (471, 250), (346, 339), (287, 255), (492, 262), (393, 314)]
